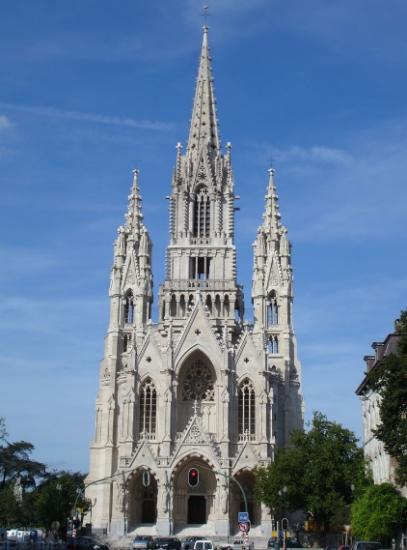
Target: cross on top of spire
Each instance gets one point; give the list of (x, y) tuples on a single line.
[(204, 125)]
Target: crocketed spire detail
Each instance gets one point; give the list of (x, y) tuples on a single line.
[(204, 125), (134, 217), (272, 214)]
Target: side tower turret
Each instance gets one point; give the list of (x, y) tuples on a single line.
[(131, 296), (131, 289), (272, 298)]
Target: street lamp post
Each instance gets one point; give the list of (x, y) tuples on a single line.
[(284, 521), (233, 479)]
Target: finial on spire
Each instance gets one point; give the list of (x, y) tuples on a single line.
[(205, 16)]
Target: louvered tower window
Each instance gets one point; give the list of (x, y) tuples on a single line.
[(246, 412), (148, 410), (129, 308), (202, 213), (272, 309)]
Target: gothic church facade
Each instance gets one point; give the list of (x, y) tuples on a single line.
[(201, 389)]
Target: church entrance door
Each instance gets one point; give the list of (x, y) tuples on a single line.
[(196, 509), (148, 511), (142, 501)]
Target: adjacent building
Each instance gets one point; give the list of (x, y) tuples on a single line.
[(189, 405), (381, 463)]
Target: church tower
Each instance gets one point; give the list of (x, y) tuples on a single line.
[(201, 256), (190, 405)]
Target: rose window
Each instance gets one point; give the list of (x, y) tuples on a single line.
[(198, 383)]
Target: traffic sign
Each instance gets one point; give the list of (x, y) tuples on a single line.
[(243, 517), (244, 527)]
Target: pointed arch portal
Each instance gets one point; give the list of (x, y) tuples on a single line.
[(142, 504), (194, 505)]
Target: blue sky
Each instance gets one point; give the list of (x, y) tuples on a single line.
[(91, 89)]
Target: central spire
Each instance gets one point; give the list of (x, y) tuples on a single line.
[(204, 125)]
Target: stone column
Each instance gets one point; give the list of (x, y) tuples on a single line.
[(222, 526), (266, 524), (164, 506), (118, 522)]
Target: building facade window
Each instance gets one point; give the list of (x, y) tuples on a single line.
[(126, 342), (202, 213), (273, 344), (148, 410), (129, 308), (272, 310), (246, 411)]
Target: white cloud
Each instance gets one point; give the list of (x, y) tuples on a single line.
[(4, 122), (356, 192), (80, 116), (316, 154)]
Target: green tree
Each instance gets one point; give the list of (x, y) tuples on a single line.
[(56, 497), (389, 379), (9, 507), (16, 462), (3, 431), (379, 513), (321, 472), (19, 475)]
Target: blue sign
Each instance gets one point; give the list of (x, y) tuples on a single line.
[(243, 517)]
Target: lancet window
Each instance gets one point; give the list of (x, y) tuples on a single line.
[(126, 342), (202, 213), (272, 310), (273, 344), (246, 411), (129, 308), (148, 410)]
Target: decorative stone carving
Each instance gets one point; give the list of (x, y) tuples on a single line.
[(198, 383)]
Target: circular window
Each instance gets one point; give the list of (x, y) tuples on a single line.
[(198, 383)]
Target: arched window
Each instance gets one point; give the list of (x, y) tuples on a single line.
[(173, 306), (237, 311), (129, 308), (272, 309), (226, 306), (246, 411), (182, 305), (202, 213), (272, 344), (126, 342), (148, 410)]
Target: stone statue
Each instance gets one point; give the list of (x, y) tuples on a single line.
[(224, 497), (121, 496), (166, 494)]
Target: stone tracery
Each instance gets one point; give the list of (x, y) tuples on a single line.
[(198, 383)]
